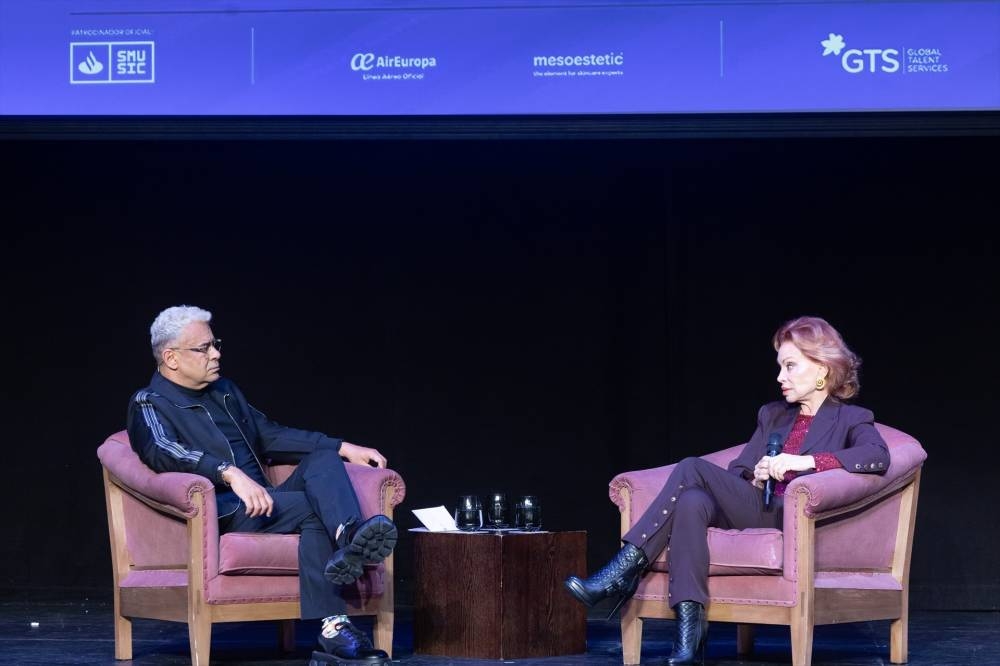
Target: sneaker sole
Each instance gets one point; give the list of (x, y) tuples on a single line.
[(343, 570), (374, 540), (324, 659)]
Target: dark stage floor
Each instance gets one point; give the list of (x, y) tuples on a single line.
[(76, 629)]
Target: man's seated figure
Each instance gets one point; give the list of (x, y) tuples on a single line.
[(190, 419)]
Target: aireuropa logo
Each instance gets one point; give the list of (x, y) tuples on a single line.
[(383, 67), (856, 61), (112, 62)]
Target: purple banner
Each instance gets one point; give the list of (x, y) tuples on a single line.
[(83, 57)]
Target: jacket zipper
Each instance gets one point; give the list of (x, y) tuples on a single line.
[(225, 405), (232, 455)]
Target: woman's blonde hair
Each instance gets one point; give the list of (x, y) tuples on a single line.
[(821, 343)]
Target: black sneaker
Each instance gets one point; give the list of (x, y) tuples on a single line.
[(348, 644), (358, 544)]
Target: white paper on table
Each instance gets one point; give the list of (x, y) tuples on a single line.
[(436, 519)]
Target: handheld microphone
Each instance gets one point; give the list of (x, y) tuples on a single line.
[(773, 448)]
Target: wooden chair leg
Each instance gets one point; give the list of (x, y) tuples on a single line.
[(200, 635), (631, 634), (898, 639), (123, 637), (744, 639), (383, 631), (802, 640), (384, 613)]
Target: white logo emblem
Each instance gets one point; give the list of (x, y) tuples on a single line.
[(90, 65), (363, 62), (834, 44)]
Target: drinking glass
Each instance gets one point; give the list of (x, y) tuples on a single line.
[(469, 513), (528, 514), (497, 510)]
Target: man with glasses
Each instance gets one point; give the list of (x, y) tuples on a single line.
[(190, 419)]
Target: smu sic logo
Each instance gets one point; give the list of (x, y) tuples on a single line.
[(112, 62), (856, 61)]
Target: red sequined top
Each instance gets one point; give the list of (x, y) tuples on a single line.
[(793, 445)]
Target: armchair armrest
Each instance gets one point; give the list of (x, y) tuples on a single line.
[(624, 487), (378, 490), (151, 514), (174, 496), (838, 491), (171, 492), (842, 521), (633, 491)]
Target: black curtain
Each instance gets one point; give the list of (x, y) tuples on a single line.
[(528, 316)]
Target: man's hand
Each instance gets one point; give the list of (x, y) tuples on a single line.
[(256, 498), (362, 454)]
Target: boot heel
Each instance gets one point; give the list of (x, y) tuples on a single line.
[(621, 601), (626, 594), (703, 648)]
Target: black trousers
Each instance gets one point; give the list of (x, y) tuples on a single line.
[(314, 501), (696, 496)]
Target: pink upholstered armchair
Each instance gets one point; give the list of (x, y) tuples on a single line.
[(843, 554), (170, 564)]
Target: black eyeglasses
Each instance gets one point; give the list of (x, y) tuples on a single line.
[(202, 349)]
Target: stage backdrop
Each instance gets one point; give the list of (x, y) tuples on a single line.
[(522, 316)]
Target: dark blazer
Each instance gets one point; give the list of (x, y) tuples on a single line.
[(846, 431)]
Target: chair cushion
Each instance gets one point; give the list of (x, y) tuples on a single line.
[(755, 551), (246, 553), (251, 554)]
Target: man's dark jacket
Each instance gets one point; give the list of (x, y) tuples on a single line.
[(173, 433)]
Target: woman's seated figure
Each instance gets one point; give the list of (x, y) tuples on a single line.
[(819, 431)]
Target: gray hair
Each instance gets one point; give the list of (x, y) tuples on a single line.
[(169, 324)]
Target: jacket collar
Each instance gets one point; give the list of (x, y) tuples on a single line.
[(172, 392)]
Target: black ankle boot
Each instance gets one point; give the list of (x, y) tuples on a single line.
[(619, 577), (692, 630)]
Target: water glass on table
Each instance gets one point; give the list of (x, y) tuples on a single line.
[(469, 513), (497, 512), (528, 514)]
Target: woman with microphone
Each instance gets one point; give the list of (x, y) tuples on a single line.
[(812, 429)]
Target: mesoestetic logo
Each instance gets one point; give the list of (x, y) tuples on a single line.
[(581, 65), (616, 59), (856, 61)]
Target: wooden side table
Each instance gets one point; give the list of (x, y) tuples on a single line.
[(498, 595)]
